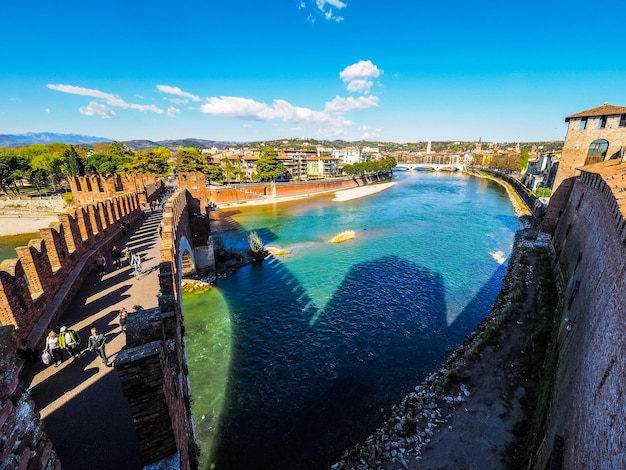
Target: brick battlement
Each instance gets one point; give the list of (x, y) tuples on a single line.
[(29, 283), (24, 443), (587, 410)]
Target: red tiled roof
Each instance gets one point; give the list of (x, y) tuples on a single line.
[(604, 110)]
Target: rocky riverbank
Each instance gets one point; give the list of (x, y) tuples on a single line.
[(467, 414)]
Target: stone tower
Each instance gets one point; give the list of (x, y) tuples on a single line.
[(593, 136)]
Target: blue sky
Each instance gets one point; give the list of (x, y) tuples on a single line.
[(398, 70)]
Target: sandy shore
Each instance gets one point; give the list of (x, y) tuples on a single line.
[(340, 195), (16, 224), (361, 191)]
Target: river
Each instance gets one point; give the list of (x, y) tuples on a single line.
[(296, 358)]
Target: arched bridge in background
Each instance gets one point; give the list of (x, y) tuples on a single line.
[(431, 166)]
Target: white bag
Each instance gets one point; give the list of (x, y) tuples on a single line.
[(46, 357)]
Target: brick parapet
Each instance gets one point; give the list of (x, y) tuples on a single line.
[(25, 444), (589, 245), (29, 284)]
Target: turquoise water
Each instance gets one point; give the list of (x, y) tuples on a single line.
[(10, 242), (296, 358)]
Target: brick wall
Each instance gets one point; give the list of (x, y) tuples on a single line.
[(195, 183), (23, 440), (30, 282), (587, 410), (575, 148)]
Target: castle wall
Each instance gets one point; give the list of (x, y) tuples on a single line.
[(30, 282), (587, 410), (25, 444), (575, 148)]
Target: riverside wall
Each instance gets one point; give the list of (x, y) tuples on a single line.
[(586, 427), (195, 183)]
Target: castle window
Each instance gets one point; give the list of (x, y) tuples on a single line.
[(602, 122), (622, 120), (597, 151), (583, 124)]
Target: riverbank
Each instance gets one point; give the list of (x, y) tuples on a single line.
[(17, 224), (340, 195)]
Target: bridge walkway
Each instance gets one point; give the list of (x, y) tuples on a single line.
[(81, 402)]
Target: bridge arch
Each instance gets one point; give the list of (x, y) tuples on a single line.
[(186, 259)]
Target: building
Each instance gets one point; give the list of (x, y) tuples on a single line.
[(593, 136), (348, 155)]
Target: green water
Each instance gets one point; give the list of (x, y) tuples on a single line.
[(10, 242)]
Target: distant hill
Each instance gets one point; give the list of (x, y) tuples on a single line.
[(176, 144), (29, 138)]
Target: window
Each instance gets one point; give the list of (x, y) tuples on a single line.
[(622, 120), (583, 124), (597, 151), (602, 122)]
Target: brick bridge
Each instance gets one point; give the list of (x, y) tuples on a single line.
[(36, 287)]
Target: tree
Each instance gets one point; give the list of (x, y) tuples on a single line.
[(523, 162), (12, 170), (38, 178), (149, 161), (268, 167), (74, 162)]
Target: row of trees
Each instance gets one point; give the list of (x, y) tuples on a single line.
[(362, 168), (49, 165), (44, 165)]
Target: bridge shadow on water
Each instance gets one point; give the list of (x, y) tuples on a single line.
[(308, 383)]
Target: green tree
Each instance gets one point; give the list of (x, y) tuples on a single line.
[(74, 162), (268, 167), (155, 161), (523, 162), (12, 170)]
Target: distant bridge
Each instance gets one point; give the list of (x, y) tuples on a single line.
[(432, 166)]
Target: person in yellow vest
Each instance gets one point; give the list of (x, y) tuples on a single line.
[(69, 340)]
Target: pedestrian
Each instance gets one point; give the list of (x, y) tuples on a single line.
[(135, 262), (96, 344), (101, 262), (52, 346), (116, 254), (69, 340), (126, 254), (123, 319), (161, 229)]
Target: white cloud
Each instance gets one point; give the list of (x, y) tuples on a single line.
[(234, 106), (172, 111), (174, 90), (359, 86), (342, 105), (108, 98), (48, 110), (246, 108), (357, 77), (324, 8), (177, 101), (97, 109)]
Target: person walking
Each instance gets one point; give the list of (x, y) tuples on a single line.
[(123, 319), (116, 254), (101, 262), (135, 262), (52, 346), (69, 340), (96, 344)]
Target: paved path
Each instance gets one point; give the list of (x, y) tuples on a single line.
[(81, 401)]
